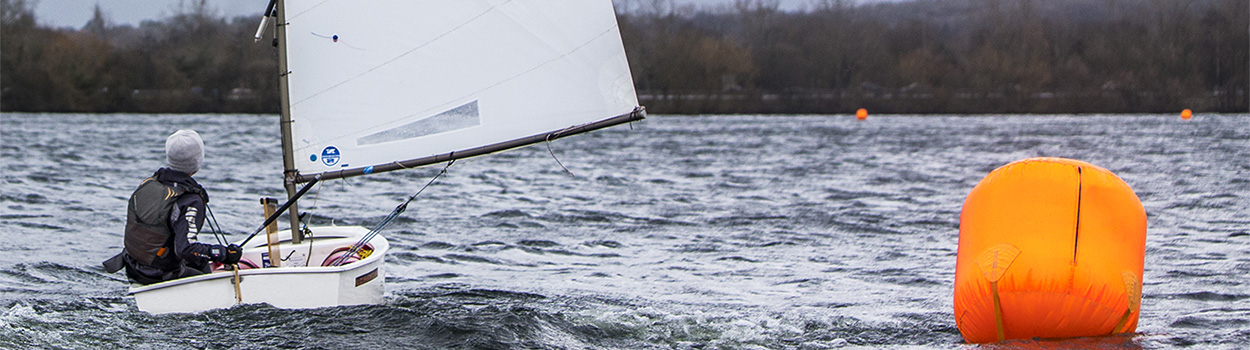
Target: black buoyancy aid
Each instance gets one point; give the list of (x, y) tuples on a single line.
[(149, 237)]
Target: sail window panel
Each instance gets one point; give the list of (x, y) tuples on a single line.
[(462, 117)]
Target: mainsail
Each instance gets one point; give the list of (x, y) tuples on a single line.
[(387, 84)]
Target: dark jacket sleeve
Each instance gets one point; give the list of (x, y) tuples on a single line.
[(186, 222)]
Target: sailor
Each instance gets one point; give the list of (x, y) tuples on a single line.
[(164, 217)]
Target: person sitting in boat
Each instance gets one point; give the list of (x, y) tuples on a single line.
[(164, 217)]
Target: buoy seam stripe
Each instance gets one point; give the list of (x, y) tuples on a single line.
[(1122, 326), (1076, 239), (998, 312)]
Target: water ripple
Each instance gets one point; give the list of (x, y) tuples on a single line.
[(715, 232)]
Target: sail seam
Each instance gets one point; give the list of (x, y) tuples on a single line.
[(406, 53), (306, 11)]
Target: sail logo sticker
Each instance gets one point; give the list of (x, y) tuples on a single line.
[(330, 156)]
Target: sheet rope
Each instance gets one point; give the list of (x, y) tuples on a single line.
[(387, 221)]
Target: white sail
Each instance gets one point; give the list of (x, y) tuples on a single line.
[(374, 82)]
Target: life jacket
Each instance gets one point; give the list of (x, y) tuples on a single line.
[(149, 237)]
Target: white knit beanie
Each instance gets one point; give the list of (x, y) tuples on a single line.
[(184, 150)]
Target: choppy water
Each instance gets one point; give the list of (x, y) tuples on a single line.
[(778, 232)]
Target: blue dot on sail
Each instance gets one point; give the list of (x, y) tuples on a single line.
[(312, 158)]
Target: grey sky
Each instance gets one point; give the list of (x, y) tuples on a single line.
[(76, 13)]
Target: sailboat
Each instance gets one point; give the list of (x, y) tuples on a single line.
[(375, 86)]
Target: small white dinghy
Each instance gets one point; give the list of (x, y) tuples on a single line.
[(376, 86), (357, 281)]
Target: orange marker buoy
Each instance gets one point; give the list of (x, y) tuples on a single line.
[(1049, 248), (1186, 114), (861, 114)]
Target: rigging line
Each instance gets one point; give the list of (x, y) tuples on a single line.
[(390, 217), (316, 196), (214, 226), (310, 244), (402, 55), (336, 39), (288, 19), (562, 131), (436, 176), (553, 153), (345, 183), (343, 186), (282, 208)]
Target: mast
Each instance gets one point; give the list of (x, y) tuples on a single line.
[(289, 172)]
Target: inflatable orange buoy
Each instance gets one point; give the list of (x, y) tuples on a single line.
[(861, 114), (1049, 248), (1186, 114)]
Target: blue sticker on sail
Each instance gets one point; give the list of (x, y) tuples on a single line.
[(330, 156), (312, 157)]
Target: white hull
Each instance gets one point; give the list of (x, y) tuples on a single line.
[(290, 287)]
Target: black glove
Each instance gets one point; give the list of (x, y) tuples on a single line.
[(228, 255)]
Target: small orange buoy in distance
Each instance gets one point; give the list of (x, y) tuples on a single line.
[(1049, 248), (861, 114), (1186, 114)]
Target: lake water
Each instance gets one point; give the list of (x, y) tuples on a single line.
[(716, 232)]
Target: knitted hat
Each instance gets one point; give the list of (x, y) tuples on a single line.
[(184, 150)]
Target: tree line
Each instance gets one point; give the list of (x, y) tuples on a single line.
[(833, 56)]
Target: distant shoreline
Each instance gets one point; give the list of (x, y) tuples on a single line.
[(848, 114), (915, 57)]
